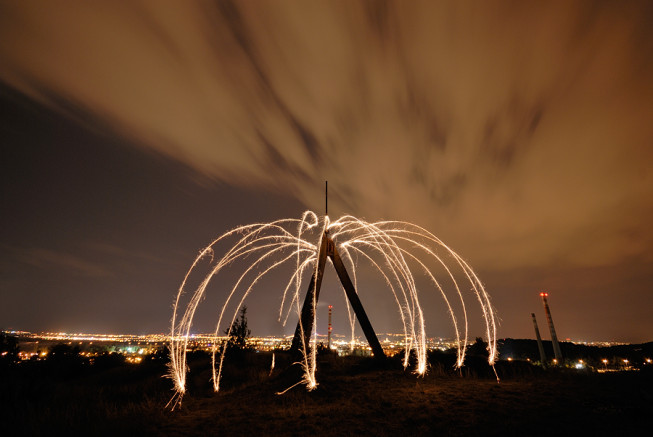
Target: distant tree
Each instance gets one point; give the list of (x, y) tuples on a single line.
[(63, 351), (108, 360), (239, 332), (161, 354), (479, 348), (8, 349)]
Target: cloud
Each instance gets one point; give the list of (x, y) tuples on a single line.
[(52, 260), (520, 134)]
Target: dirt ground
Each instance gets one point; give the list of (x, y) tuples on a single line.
[(394, 403), (351, 399)]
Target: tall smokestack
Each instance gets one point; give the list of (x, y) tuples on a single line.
[(554, 337), (539, 341), (330, 329)]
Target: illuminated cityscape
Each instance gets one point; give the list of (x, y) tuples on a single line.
[(36, 346)]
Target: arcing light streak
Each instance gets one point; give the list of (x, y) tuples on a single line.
[(388, 246)]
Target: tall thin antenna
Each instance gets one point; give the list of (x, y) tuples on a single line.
[(330, 329), (326, 197)]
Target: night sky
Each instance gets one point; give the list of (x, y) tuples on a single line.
[(133, 133)]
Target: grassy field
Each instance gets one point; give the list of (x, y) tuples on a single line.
[(355, 396)]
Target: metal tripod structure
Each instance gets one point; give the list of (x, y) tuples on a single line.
[(282, 242), (305, 323)]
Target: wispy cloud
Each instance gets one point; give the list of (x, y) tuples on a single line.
[(54, 260), (112, 251), (521, 132)]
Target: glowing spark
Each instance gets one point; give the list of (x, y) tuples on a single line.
[(387, 246), (272, 365)]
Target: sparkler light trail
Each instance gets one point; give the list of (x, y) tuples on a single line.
[(389, 247)]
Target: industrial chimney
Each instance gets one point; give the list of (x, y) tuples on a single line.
[(554, 337), (539, 341)]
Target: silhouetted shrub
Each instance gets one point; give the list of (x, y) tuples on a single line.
[(63, 351), (8, 349), (108, 360)]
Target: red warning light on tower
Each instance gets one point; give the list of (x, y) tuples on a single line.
[(554, 338)]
